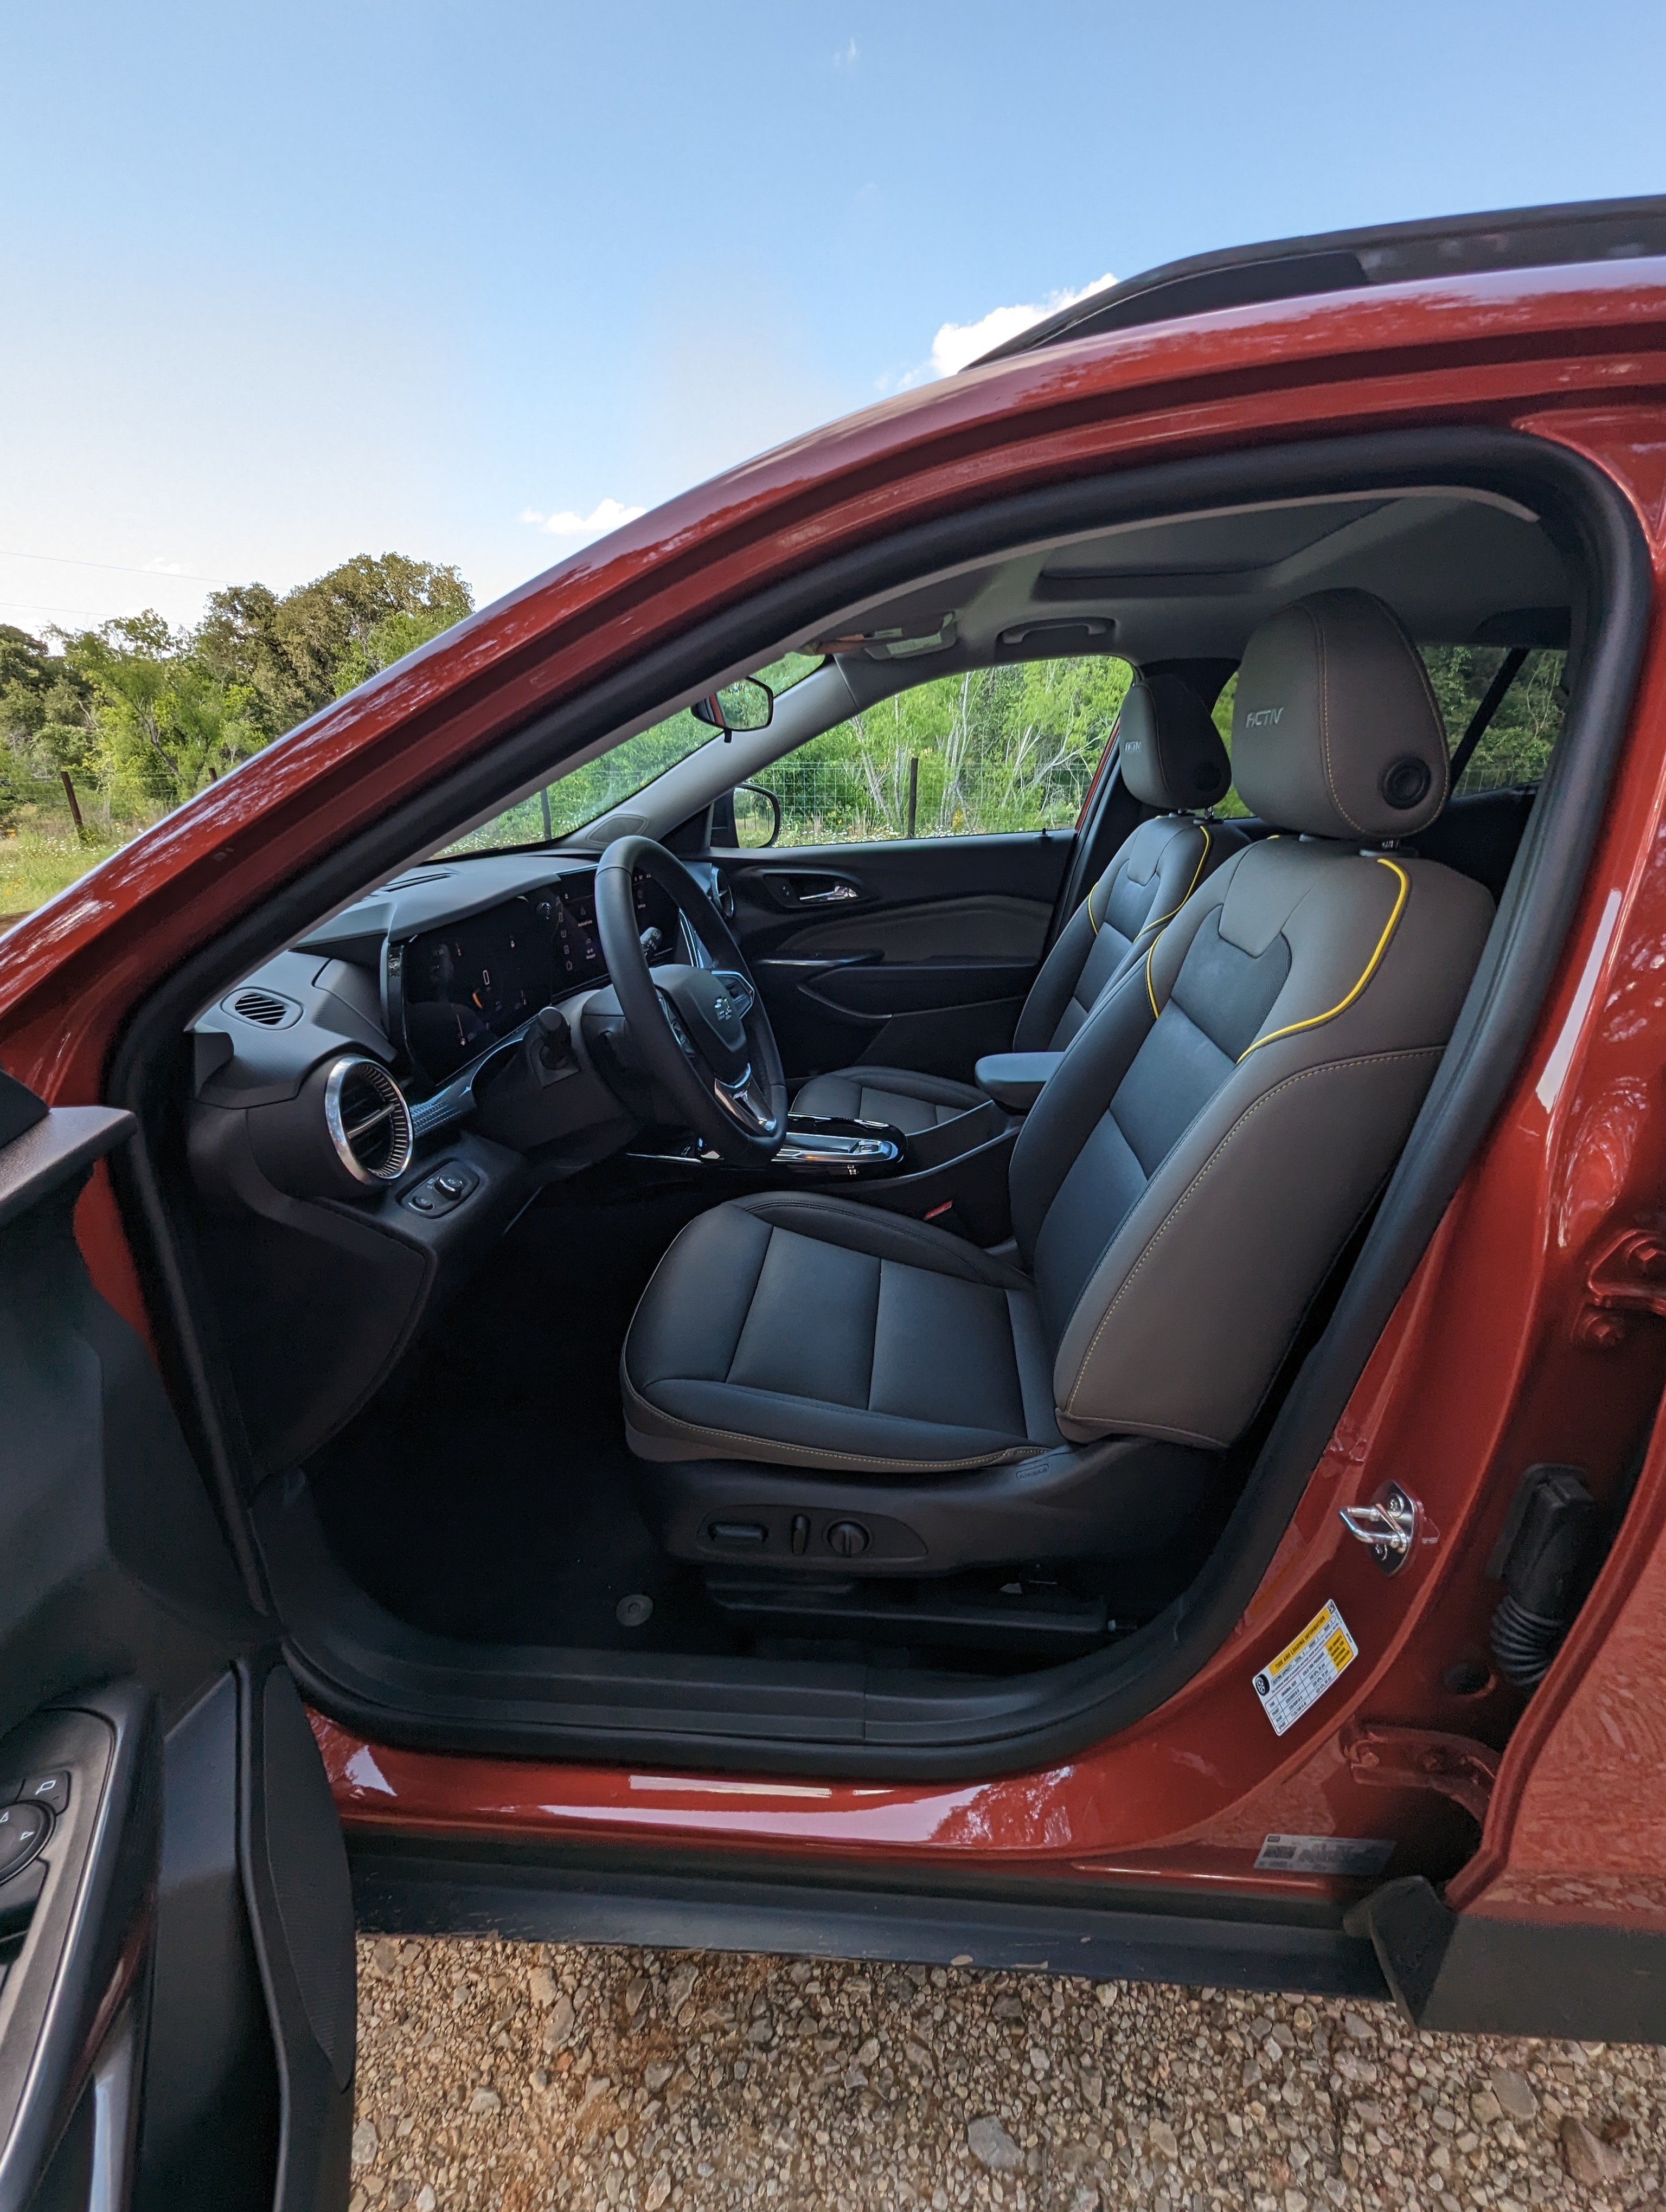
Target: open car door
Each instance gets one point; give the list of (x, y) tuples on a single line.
[(177, 1996)]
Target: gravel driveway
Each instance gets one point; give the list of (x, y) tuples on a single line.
[(513, 2076)]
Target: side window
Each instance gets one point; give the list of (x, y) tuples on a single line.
[(1526, 722), (993, 749)]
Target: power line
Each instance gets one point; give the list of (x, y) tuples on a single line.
[(116, 568), (53, 607)]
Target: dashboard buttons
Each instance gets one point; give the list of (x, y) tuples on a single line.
[(51, 1790), (23, 1829), (442, 1191)]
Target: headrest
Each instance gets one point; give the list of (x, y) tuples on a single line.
[(1336, 732), (1170, 752)]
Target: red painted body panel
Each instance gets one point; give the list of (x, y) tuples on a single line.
[(1480, 1371)]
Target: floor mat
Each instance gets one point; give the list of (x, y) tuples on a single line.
[(486, 1494)]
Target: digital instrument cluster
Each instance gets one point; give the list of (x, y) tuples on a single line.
[(465, 985)]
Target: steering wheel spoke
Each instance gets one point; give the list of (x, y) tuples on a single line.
[(699, 1028)]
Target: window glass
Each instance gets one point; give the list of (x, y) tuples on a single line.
[(1516, 744), (991, 749), (588, 792)]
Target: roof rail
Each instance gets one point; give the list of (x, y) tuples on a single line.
[(1354, 260)]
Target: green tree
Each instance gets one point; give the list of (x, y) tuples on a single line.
[(167, 723), (1518, 743), (46, 704), (297, 652)]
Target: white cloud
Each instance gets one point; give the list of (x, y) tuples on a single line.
[(158, 566), (846, 56), (607, 514), (957, 343)]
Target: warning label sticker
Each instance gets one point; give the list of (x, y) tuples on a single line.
[(1362, 1855), (1305, 1669)]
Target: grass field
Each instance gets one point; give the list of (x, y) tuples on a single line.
[(34, 865)]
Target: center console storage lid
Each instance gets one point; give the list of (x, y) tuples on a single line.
[(1014, 1079)]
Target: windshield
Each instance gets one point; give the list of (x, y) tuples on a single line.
[(584, 796)]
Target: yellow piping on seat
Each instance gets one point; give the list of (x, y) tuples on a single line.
[(1365, 975), (1157, 1011)]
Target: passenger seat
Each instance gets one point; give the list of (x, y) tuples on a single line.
[(1171, 756)]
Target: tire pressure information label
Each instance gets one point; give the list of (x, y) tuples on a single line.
[(1347, 1855), (1305, 1669)]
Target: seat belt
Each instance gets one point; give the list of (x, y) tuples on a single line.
[(1508, 669)]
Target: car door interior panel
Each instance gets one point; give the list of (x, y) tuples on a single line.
[(916, 953), (140, 2061)]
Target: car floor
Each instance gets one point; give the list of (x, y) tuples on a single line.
[(485, 1494)]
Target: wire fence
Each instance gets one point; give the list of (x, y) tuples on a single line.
[(908, 794)]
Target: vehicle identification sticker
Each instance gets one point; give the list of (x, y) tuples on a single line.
[(1305, 1669), (1324, 1853)]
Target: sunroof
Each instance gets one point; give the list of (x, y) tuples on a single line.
[(1210, 545)]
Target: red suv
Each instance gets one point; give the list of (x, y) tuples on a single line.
[(920, 1216)]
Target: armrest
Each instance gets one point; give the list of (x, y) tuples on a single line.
[(1014, 1079)]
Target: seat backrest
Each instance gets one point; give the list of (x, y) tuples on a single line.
[(1232, 1106), (1171, 756)]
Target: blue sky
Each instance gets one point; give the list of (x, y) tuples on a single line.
[(291, 283)]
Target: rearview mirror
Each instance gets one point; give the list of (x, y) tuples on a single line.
[(745, 704)]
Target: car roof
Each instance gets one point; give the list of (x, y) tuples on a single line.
[(1354, 260)]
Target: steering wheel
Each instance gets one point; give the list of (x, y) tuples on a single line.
[(700, 1032)]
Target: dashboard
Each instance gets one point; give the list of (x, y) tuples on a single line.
[(454, 990), (362, 1128)]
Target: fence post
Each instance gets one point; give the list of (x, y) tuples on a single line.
[(914, 792), (74, 804)]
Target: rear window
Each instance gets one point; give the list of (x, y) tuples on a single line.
[(1518, 741)]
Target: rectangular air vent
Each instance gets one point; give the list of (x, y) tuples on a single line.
[(268, 1008)]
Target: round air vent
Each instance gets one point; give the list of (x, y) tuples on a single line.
[(369, 1121)]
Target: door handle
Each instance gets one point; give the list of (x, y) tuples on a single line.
[(792, 888)]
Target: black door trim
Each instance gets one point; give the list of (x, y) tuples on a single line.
[(924, 1916)]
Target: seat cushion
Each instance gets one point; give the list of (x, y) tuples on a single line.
[(810, 1331), (909, 1101)]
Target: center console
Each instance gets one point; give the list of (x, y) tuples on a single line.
[(953, 1173)]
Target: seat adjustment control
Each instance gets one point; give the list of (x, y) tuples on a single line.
[(749, 1533), (848, 1538)]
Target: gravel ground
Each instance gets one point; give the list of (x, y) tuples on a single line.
[(513, 2076)]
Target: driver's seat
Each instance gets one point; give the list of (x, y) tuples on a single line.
[(810, 1382)]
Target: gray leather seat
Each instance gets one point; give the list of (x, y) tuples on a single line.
[(802, 1367), (1171, 756)]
